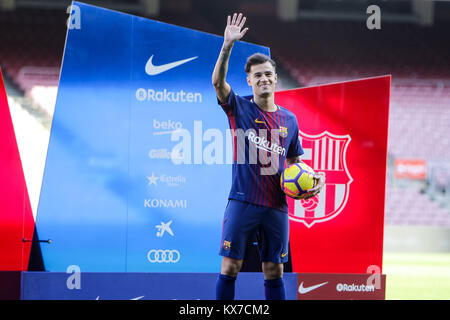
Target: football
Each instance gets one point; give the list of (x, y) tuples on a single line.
[(297, 179)]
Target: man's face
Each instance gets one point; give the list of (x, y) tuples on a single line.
[(262, 78)]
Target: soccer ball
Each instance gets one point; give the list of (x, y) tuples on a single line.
[(297, 179)]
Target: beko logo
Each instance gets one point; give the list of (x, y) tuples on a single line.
[(166, 126)]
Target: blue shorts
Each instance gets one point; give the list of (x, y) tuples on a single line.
[(243, 220)]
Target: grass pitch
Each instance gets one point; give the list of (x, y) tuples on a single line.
[(417, 276)]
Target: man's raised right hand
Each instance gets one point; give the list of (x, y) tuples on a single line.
[(233, 30)]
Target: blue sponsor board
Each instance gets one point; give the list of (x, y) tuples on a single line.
[(139, 152), (142, 286)]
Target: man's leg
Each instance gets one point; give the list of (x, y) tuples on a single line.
[(240, 223), (274, 252), (226, 281), (237, 226), (273, 281)]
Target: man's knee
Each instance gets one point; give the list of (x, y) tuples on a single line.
[(230, 267), (272, 270)]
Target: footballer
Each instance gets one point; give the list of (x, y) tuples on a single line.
[(256, 203)]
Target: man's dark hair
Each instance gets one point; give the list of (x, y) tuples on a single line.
[(258, 58)]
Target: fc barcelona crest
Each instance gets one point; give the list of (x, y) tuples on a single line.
[(326, 154), (283, 132), (226, 245)]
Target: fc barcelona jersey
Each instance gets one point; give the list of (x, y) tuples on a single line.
[(261, 141)]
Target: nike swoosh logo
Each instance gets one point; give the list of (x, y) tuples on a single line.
[(259, 121), (153, 70), (303, 290), (284, 255)]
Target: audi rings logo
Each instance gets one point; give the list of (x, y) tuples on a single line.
[(163, 256)]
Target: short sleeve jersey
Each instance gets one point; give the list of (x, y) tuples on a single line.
[(261, 143)]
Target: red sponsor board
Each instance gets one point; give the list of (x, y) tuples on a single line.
[(343, 129), (410, 169), (343, 286), (16, 218)]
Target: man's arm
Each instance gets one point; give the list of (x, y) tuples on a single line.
[(231, 35), (320, 178)]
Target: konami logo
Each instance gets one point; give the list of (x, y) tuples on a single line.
[(165, 203)]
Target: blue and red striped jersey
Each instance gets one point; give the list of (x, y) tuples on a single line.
[(262, 141)]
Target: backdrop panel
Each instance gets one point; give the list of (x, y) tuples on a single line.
[(142, 286), (343, 128), (137, 172), (16, 217)]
